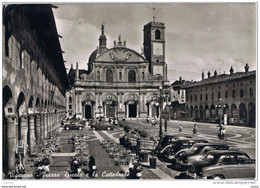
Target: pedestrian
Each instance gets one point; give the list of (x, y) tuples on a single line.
[(195, 128), (165, 125), (92, 166), (180, 128)]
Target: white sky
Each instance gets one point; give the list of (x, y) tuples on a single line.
[(199, 37)]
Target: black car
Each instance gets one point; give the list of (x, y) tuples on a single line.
[(169, 139), (102, 125), (223, 164), (73, 126), (169, 151), (184, 157)]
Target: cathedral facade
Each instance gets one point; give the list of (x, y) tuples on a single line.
[(120, 82)]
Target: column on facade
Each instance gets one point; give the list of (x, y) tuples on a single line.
[(127, 110), (45, 125), (150, 109), (42, 127), (38, 129), (11, 140), (32, 133), (96, 111), (24, 132), (105, 108)]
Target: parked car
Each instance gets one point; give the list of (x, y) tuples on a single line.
[(72, 126), (236, 121), (223, 164), (215, 120), (102, 125), (169, 151), (185, 157), (168, 139)]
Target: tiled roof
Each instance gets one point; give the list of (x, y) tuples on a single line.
[(221, 78)]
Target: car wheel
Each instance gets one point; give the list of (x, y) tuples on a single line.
[(67, 128), (108, 128), (218, 177), (93, 128)]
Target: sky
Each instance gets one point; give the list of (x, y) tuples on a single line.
[(199, 37)]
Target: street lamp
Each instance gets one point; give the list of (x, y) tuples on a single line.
[(219, 106), (160, 103)]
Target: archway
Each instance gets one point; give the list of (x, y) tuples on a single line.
[(251, 114), (88, 111), (8, 144), (132, 110), (234, 111), (201, 112), (242, 112), (191, 112), (212, 111), (207, 112), (196, 111)]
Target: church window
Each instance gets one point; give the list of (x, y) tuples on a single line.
[(70, 106), (70, 99), (241, 93), (120, 76), (109, 76), (143, 75), (219, 95), (234, 93), (98, 75), (157, 34), (251, 92), (131, 76), (226, 94)]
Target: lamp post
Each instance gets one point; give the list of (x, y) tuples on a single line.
[(219, 106), (160, 106)]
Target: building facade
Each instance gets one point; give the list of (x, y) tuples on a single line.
[(34, 80), (120, 82), (178, 99), (232, 95)]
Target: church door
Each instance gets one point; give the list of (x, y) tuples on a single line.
[(88, 113), (132, 110), (110, 111)]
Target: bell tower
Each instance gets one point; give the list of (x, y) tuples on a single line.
[(154, 47)]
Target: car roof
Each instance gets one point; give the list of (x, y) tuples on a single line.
[(190, 139), (209, 144), (176, 135), (224, 152)]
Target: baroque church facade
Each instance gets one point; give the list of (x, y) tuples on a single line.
[(120, 82)]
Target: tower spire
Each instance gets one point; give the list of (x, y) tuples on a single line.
[(102, 29), (153, 14)]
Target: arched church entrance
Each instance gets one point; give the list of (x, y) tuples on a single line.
[(132, 110), (88, 111)]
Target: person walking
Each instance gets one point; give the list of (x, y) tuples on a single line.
[(180, 128), (92, 166), (195, 128)]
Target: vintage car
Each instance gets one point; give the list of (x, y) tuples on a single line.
[(223, 164), (102, 125), (236, 121), (72, 126), (168, 139), (185, 157), (169, 151)]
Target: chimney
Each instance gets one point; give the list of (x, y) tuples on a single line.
[(124, 43), (215, 73), (77, 72), (231, 70), (202, 75), (246, 68), (71, 66), (208, 74), (180, 79)]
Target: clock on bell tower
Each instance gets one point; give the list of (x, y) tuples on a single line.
[(154, 47)]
